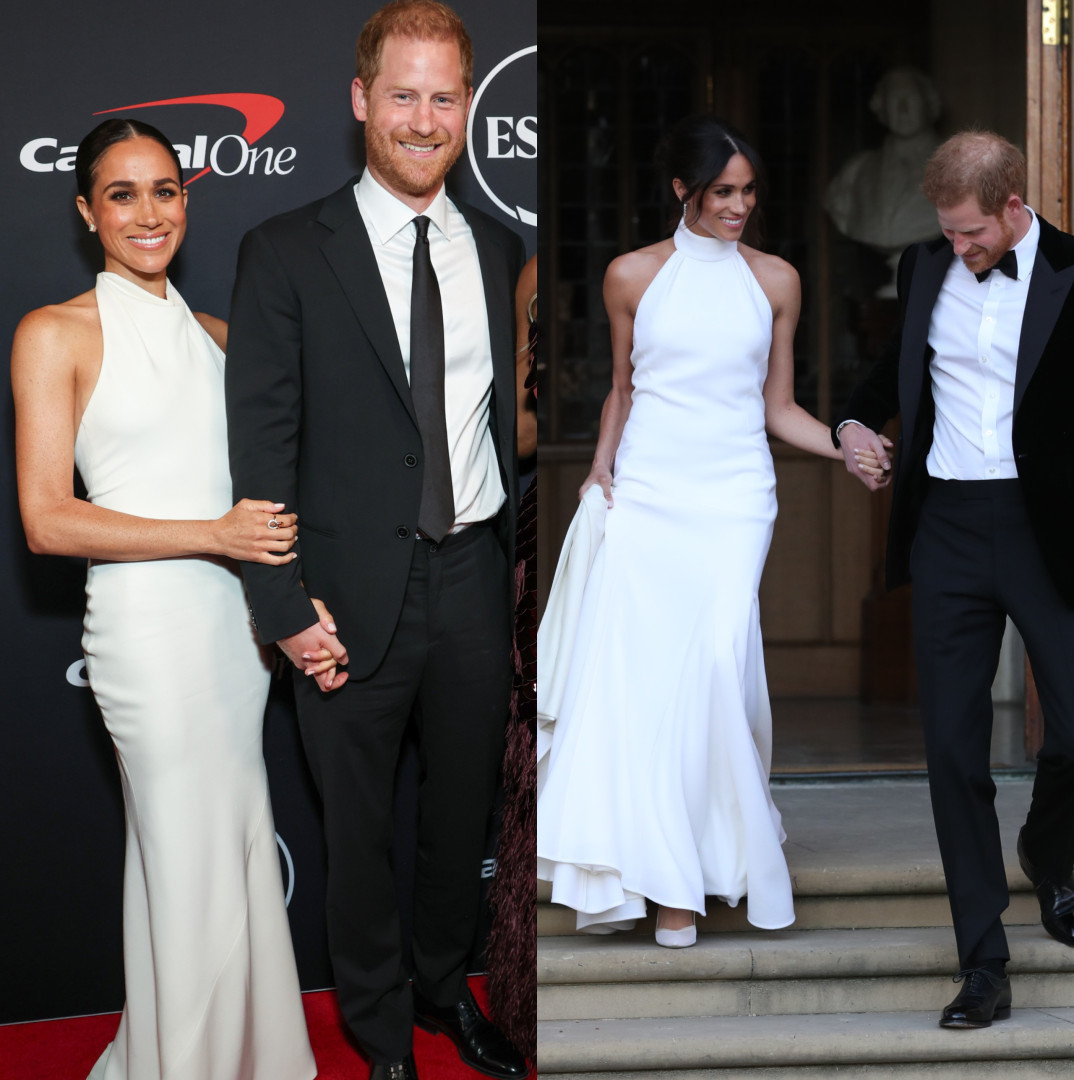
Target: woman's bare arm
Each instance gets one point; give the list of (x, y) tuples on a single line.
[(55, 360), (784, 417), (625, 283)]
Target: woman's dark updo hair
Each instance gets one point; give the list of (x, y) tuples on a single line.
[(103, 137), (696, 150)]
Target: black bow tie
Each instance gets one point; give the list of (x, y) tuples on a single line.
[(1008, 264)]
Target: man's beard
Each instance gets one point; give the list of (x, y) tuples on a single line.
[(988, 257), (404, 173)]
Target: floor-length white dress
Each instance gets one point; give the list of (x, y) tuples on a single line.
[(211, 986), (657, 777)]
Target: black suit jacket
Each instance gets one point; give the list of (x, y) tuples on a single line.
[(320, 416), (1043, 435)]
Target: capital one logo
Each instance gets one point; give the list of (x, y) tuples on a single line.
[(76, 673), (501, 135), (228, 154), (287, 867)]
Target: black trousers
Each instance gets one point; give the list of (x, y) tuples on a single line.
[(448, 666), (974, 561)]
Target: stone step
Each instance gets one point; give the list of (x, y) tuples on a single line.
[(816, 913), (1033, 1042), (860, 855), (781, 972), (1038, 1069), (854, 989), (882, 875)]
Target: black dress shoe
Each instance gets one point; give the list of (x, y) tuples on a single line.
[(397, 1070), (984, 997), (480, 1044), (1056, 898)]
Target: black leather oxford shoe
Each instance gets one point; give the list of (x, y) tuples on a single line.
[(984, 997), (397, 1070), (480, 1043), (1056, 898)]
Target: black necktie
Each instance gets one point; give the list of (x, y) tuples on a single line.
[(436, 514), (1008, 264)]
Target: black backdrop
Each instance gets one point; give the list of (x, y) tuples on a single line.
[(63, 63)]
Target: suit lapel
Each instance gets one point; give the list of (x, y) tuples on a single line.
[(929, 272), (1048, 291), (350, 255)]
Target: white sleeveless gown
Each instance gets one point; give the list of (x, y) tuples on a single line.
[(657, 776), (211, 986)]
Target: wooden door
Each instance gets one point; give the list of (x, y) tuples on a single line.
[(1048, 190)]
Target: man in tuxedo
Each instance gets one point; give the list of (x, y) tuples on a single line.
[(982, 374), (371, 385)]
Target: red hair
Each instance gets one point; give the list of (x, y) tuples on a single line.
[(978, 163), (419, 20)]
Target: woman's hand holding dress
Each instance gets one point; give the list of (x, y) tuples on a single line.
[(601, 475)]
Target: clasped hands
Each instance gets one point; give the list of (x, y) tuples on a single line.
[(317, 651), (866, 455)]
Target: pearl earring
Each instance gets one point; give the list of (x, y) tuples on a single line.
[(92, 228)]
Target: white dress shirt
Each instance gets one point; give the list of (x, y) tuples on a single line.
[(974, 331), (475, 470)]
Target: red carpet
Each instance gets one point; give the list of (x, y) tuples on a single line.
[(67, 1049)]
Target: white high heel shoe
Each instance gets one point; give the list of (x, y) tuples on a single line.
[(677, 939)]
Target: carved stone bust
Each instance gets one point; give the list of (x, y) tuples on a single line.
[(876, 196)]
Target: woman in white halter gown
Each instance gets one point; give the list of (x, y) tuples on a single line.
[(211, 985), (656, 777)]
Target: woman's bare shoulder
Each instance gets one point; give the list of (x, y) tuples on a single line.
[(642, 262), (770, 269), (776, 276), (61, 327), (631, 274)]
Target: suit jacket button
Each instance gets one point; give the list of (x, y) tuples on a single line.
[(402, 532), (410, 461)]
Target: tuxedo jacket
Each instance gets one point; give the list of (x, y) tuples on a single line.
[(1043, 433), (320, 416)]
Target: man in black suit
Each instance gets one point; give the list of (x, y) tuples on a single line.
[(983, 377), (370, 384)]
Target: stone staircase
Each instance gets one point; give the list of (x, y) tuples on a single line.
[(854, 989)]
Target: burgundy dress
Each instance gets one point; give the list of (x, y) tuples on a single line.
[(511, 954)]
